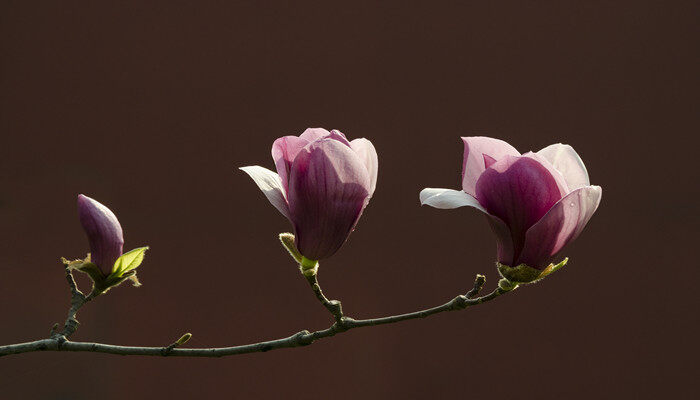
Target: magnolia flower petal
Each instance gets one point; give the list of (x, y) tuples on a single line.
[(284, 150), (504, 239), (556, 174), (565, 159), (367, 153), (328, 190), (313, 134), (103, 230), (448, 198), (488, 161), (561, 225), (271, 186), (339, 136), (473, 164), (519, 191)]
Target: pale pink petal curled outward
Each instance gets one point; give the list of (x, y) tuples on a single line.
[(103, 230), (322, 185), (271, 186), (448, 198), (536, 203), (473, 164)]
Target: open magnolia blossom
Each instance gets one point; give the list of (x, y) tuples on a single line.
[(322, 185), (536, 203)]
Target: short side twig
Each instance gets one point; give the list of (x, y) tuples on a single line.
[(333, 306), (78, 299)]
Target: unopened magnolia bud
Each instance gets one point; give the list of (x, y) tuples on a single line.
[(103, 231), (106, 265)]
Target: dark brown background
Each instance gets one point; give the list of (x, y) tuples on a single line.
[(150, 108)]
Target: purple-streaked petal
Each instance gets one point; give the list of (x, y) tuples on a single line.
[(313, 134), (284, 150), (448, 198), (504, 240), (103, 231), (473, 164), (519, 191), (561, 225), (558, 177), (565, 160), (271, 186), (367, 153), (328, 190)]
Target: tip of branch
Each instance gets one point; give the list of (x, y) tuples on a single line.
[(479, 282)]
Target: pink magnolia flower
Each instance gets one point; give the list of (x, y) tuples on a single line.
[(103, 231), (536, 203), (322, 185)]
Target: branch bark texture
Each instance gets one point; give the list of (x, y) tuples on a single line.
[(60, 342)]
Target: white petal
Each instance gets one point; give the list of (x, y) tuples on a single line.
[(271, 185), (365, 149), (565, 160), (448, 198)]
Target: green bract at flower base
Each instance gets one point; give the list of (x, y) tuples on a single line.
[(124, 269), (307, 266), (287, 240), (526, 274)]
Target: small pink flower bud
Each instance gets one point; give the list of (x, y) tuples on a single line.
[(103, 231)]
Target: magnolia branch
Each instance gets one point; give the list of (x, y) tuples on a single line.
[(333, 306), (60, 342), (78, 299)]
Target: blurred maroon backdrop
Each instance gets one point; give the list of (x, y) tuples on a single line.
[(150, 107)]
